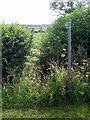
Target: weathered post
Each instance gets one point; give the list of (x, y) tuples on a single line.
[(69, 53)]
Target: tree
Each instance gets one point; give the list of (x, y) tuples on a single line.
[(16, 44), (67, 6)]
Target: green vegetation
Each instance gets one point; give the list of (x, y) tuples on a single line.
[(39, 90), (67, 7), (54, 46), (70, 111), (55, 43), (16, 44), (31, 91)]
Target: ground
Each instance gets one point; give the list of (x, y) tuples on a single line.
[(68, 111)]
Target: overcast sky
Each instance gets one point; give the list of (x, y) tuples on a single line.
[(25, 11)]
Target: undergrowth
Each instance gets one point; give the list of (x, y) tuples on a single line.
[(52, 91)]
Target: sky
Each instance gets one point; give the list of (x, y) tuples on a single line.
[(25, 12)]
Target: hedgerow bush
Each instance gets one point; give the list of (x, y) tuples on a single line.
[(16, 44), (54, 46)]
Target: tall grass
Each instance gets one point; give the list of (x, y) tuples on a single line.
[(52, 91)]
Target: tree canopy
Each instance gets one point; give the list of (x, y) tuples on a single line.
[(67, 6)]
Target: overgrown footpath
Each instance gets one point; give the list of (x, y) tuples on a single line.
[(35, 70), (33, 98)]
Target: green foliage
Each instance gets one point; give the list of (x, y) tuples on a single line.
[(51, 90), (65, 112), (16, 44), (66, 7), (54, 46), (80, 29), (54, 94), (32, 92)]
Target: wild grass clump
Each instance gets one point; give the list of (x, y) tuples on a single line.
[(52, 91)]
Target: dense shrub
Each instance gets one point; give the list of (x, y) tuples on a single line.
[(54, 46), (16, 44)]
